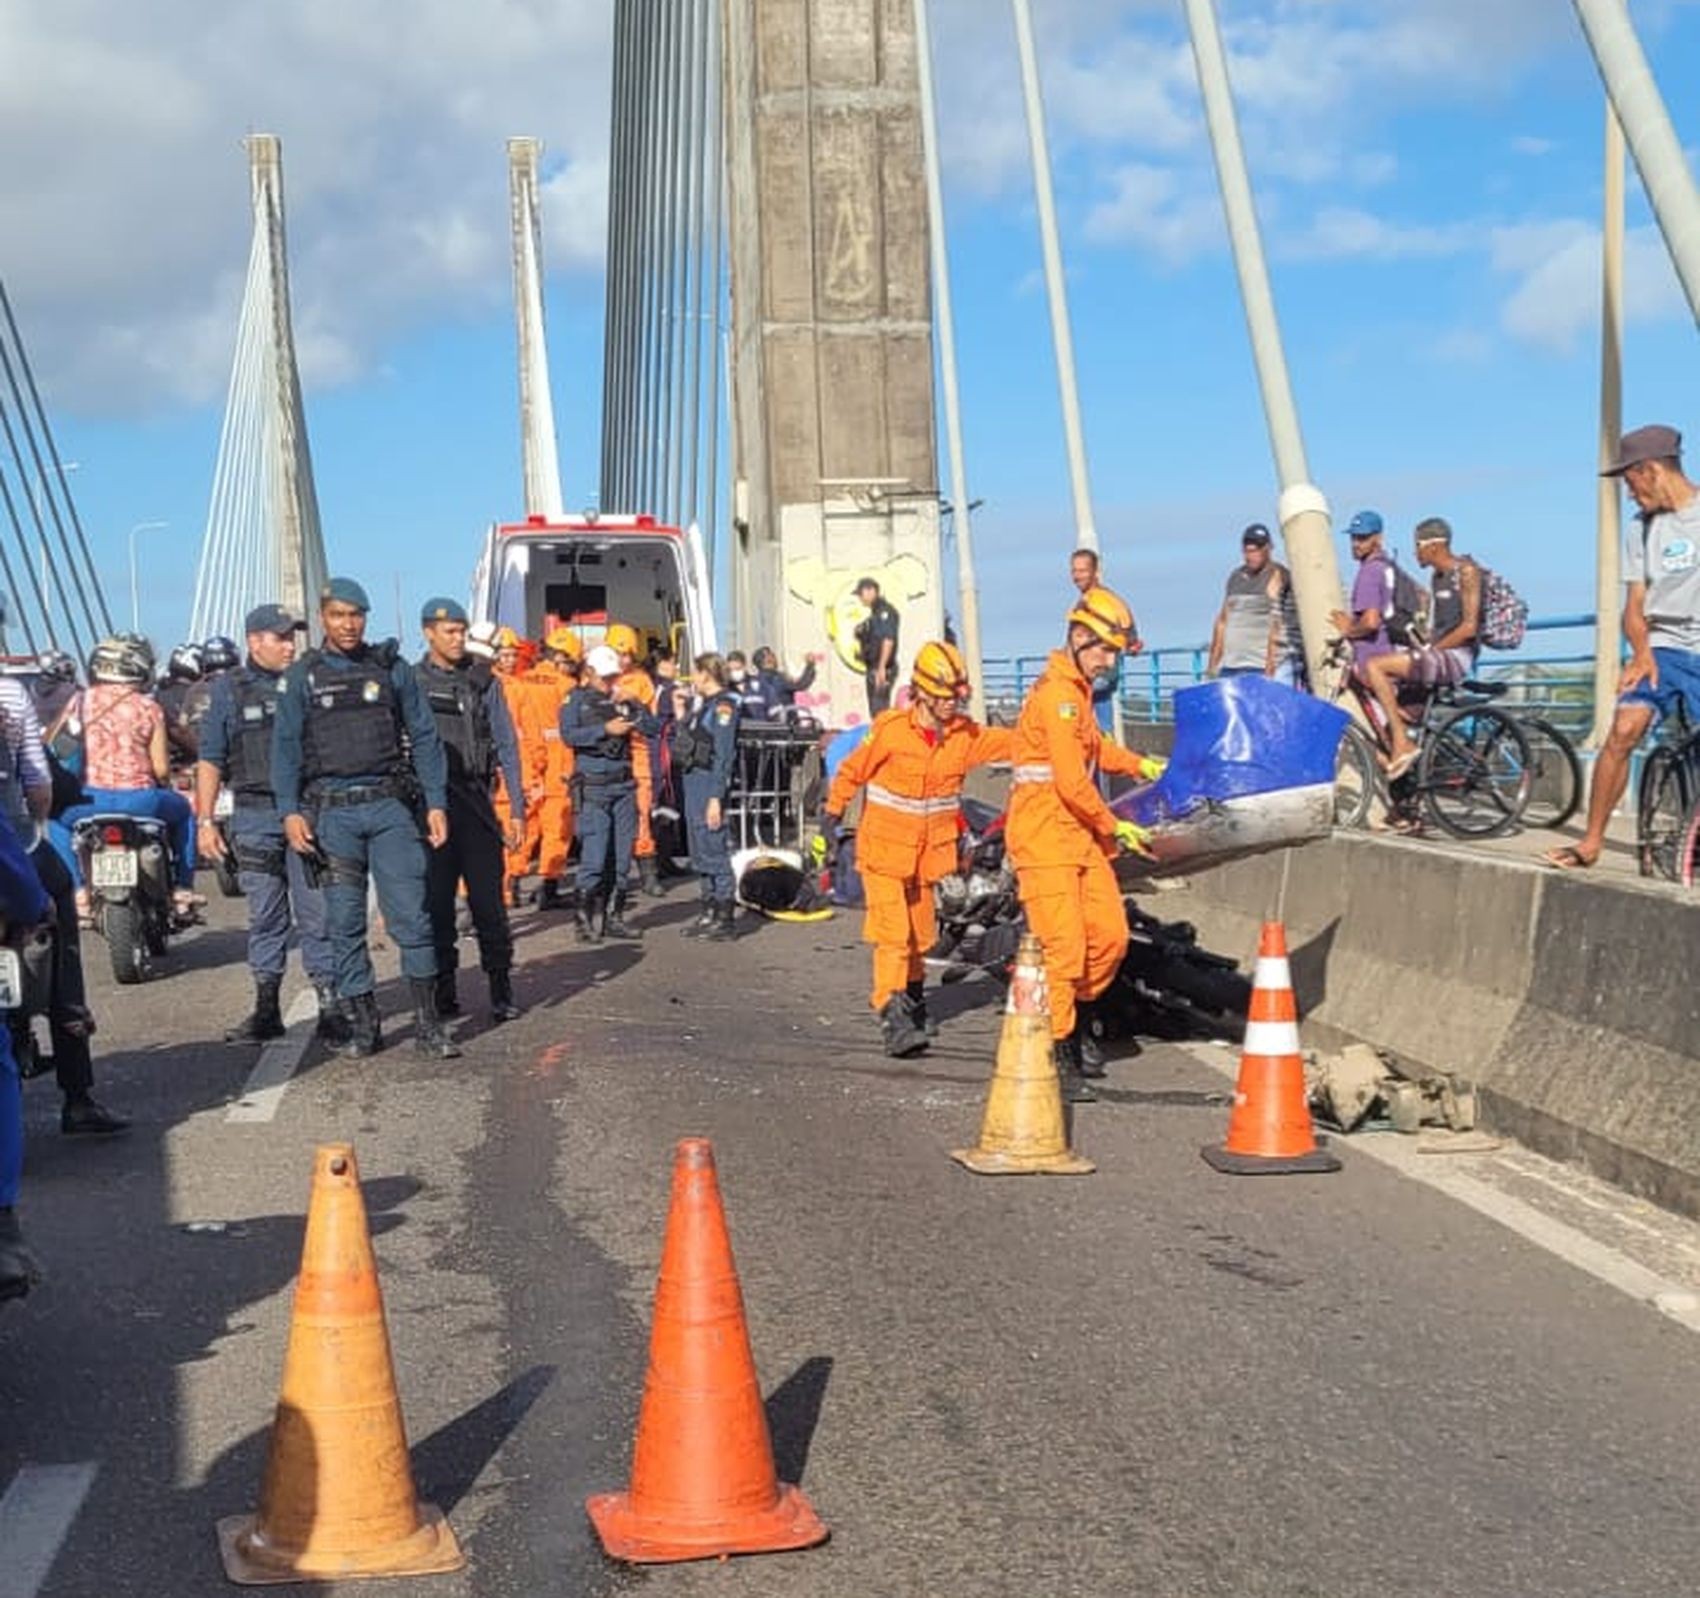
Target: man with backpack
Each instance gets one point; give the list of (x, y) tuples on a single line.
[(1455, 616), (1374, 593)]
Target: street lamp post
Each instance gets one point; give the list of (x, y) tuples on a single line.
[(135, 587)]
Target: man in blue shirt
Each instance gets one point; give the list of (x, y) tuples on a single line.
[(354, 751)]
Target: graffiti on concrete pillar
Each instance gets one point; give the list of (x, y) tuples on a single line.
[(850, 275), (831, 592)]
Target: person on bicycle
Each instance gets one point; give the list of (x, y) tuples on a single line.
[(1372, 593), (1661, 620), (1455, 623)]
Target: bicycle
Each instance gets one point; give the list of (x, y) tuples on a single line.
[(1555, 772), (1473, 776), (1666, 802)]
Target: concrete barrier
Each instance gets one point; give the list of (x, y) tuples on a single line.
[(1571, 1001)]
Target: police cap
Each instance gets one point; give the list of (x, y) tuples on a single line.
[(435, 610), (272, 619), (344, 591)]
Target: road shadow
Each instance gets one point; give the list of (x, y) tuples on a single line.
[(793, 1413), (1309, 963)]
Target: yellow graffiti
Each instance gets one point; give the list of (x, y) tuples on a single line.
[(831, 590)]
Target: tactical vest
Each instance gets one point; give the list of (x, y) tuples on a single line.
[(610, 758), (353, 722), (249, 766), (459, 700), (693, 743)]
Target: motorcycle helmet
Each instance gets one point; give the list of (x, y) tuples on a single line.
[(124, 657), (184, 664), (219, 653), (56, 666)]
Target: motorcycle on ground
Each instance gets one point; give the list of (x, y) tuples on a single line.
[(127, 864)]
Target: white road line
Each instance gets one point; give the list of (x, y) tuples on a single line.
[(262, 1093), (1576, 1248), (35, 1514)]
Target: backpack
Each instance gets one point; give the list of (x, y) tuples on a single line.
[(1407, 615), (1505, 613)]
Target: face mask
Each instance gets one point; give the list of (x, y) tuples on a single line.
[(736, 674)]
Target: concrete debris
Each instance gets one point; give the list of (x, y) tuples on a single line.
[(1360, 1084)]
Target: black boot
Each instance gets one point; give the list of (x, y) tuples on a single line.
[(615, 925), (448, 1000), (365, 1028), (903, 1038), (1086, 1044), (502, 1004), (649, 876), (588, 918), (429, 1038), (333, 1028), (515, 895), (19, 1269), (549, 894), (1075, 1088), (267, 1020), (916, 994), (724, 927), (702, 921), (83, 1116)]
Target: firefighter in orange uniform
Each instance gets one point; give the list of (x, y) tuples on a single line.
[(911, 768), (547, 684), (1062, 836), (636, 683), (503, 643)]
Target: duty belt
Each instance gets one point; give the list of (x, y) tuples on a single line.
[(911, 807), (365, 793)]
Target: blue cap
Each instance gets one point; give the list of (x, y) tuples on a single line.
[(344, 591), (272, 619), (441, 610), (1366, 524)]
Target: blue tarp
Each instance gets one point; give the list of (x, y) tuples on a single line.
[(844, 744), (1238, 737)]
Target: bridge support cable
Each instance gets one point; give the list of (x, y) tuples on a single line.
[(539, 450), (263, 541), (53, 593)]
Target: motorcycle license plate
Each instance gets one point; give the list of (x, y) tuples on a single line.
[(224, 807), (11, 980), (115, 868)]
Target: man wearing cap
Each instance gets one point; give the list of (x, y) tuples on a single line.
[(478, 739), (1372, 593), (876, 645), (236, 752), (1255, 631), (354, 751), (1661, 620)]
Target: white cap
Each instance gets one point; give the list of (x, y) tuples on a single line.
[(481, 640), (602, 662)]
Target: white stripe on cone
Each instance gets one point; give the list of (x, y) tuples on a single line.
[(1273, 972), (1271, 1038)]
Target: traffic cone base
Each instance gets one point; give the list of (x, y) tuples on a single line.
[(1024, 1131), (627, 1533), (251, 1561)]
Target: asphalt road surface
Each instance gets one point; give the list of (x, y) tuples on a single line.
[(1154, 1380)]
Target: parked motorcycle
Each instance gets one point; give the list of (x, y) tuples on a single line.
[(127, 864)]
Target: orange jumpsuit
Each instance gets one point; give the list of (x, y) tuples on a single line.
[(517, 862), (1061, 838), (548, 687), (639, 685), (911, 822)]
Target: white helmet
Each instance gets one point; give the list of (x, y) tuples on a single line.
[(481, 640), (602, 662)]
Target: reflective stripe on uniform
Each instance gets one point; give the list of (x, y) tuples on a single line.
[(907, 806), (1027, 774)]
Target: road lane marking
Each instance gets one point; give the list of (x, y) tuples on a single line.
[(1672, 1299), (279, 1060), (35, 1515)]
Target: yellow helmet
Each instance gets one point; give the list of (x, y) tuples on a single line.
[(1104, 614), (506, 638), (940, 672), (564, 641), (623, 640)]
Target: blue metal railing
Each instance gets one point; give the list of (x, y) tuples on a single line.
[(1557, 686)]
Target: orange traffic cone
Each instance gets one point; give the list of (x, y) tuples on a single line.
[(1024, 1130), (337, 1500), (703, 1483), (1269, 1130)]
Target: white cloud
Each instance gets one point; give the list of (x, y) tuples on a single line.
[(1532, 144), (1556, 300), (1346, 233), (1152, 207), (123, 202)]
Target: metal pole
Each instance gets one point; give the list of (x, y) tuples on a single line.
[(1608, 621), (968, 591), (720, 364), (135, 586), (706, 147), (690, 275), (1651, 138), (1086, 532), (1303, 510), (540, 467)]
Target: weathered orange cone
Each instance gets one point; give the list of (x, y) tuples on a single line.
[(1269, 1130), (1024, 1131), (337, 1500), (703, 1483)]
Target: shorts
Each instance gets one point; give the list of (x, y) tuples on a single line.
[(1679, 685), (1441, 668)]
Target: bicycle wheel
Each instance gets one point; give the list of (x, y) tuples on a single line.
[(1688, 856), (1474, 772), (1357, 776), (1661, 813), (1555, 774)]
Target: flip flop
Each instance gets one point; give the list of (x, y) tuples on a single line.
[(1567, 859), (1400, 764)]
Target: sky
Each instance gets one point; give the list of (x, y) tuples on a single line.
[(1428, 174)]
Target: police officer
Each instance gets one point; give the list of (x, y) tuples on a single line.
[(472, 719), (599, 729), (236, 750), (705, 749), (354, 752)]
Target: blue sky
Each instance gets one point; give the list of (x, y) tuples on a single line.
[(1428, 170)]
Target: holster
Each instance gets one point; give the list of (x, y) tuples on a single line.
[(264, 857)]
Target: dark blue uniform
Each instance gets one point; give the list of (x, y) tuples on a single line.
[(706, 749), (353, 746), (23, 903), (472, 719), (236, 737), (604, 789)]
